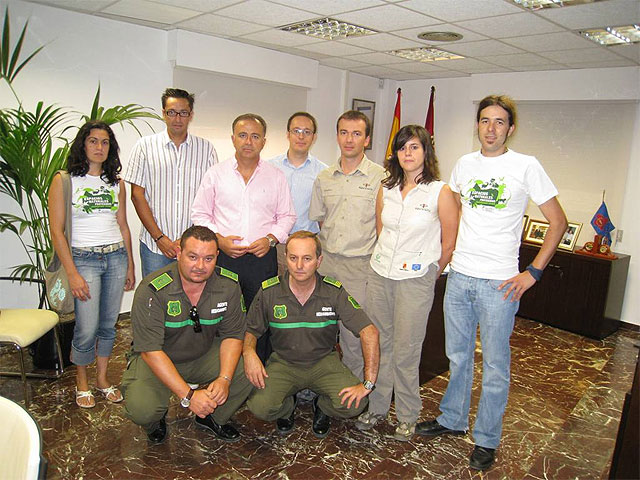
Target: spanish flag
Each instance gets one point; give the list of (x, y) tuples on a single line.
[(428, 124), (395, 126)]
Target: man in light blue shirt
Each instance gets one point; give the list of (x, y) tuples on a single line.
[(301, 170)]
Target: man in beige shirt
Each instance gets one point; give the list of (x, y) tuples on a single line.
[(343, 202)]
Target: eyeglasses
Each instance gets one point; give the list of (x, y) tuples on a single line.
[(173, 113), (195, 318), (301, 131)]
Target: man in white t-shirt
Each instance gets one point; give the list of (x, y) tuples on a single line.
[(484, 287)]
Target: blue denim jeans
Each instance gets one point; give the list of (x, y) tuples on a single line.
[(95, 333), (152, 261), (470, 302)]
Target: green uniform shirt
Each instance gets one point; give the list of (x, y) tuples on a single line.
[(160, 314), (304, 334)]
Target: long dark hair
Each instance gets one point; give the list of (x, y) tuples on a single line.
[(395, 174), (77, 163)]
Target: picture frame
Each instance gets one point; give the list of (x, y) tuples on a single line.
[(536, 231), (525, 224), (570, 237), (369, 109)]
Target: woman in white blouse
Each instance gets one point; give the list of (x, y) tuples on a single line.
[(417, 222)]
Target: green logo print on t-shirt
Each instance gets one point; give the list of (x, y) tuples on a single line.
[(101, 198), (492, 193)]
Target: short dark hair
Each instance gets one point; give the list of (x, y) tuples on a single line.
[(395, 174), (250, 116), (503, 101), (303, 114), (355, 115), (199, 232), (305, 234), (177, 93), (77, 163)]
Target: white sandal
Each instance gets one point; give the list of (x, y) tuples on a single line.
[(111, 393), (80, 394)]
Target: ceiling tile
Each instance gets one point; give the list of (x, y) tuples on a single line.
[(330, 7), (514, 25), (265, 13), (149, 11), (456, 10), (387, 17), (445, 74), (378, 58), (595, 54), (629, 51), (482, 48), (334, 49), (520, 59), (602, 64), (412, 33), (199, 5), (611, 13), (420, 67), (278, 37), (342, 62), (303, 53), (77, 5), (404, 76), (375, 71), (539, 68), (549, 41), (216, 25), (381, 42), (471, 65)]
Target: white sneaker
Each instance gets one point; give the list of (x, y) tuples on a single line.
[(404, 431), (368, 420)]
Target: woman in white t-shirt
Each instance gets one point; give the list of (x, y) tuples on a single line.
[(98, 262), (416, 221)]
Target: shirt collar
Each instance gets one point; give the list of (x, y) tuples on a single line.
[(167, 140), (363, 167), (285, 161)]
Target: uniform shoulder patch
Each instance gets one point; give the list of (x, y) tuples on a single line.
[(161, 281), (332, 281), (353, 303), (270, 282), (229, 274)]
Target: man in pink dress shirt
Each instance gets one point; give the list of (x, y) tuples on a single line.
[(247, 202)]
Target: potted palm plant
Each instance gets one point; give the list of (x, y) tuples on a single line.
[(34, 145)]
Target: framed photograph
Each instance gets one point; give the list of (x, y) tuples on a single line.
[(536, 231), (570, 237), (525, 223), (369, 109)]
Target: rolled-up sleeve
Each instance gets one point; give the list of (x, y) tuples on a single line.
[(317, 208)]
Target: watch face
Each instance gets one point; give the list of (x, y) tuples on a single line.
[(185, 402)]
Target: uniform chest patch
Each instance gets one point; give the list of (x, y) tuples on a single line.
[(174, 308), (280, 311), (326, 312)]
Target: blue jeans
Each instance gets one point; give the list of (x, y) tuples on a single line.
[(468, 302), (152, 261), (96, 317)]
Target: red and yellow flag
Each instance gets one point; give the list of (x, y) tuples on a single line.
[(395, 126)]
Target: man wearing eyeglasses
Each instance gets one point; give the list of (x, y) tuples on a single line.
[(165, 171), (343, 202), (247, 202), (301, 169), (188, 322)]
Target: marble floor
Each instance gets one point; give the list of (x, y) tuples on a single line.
[(561, 422)]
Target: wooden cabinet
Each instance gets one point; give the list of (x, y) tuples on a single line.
[(578, 293)]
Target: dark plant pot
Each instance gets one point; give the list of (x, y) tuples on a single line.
[(44, 351)]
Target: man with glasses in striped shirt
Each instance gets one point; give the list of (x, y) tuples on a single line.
[(165, 171)]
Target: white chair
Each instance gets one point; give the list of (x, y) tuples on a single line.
[(21, 327), (20, 444)]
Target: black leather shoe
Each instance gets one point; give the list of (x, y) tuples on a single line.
[(431, 428), (223, 432), (285, 425), (160, 433), (482, 458), (321, 421)]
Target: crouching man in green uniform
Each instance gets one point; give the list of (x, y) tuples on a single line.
[(302, 309), (188, 324)]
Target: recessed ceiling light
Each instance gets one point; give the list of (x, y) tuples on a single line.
[(424, 54), (327, 28), (440, 36), (613, 35), (538, 4)]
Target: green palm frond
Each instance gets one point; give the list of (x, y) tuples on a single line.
[(9, 66)]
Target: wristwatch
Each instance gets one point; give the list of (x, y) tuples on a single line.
[(369, 385), (186, 401), (272, 242)]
